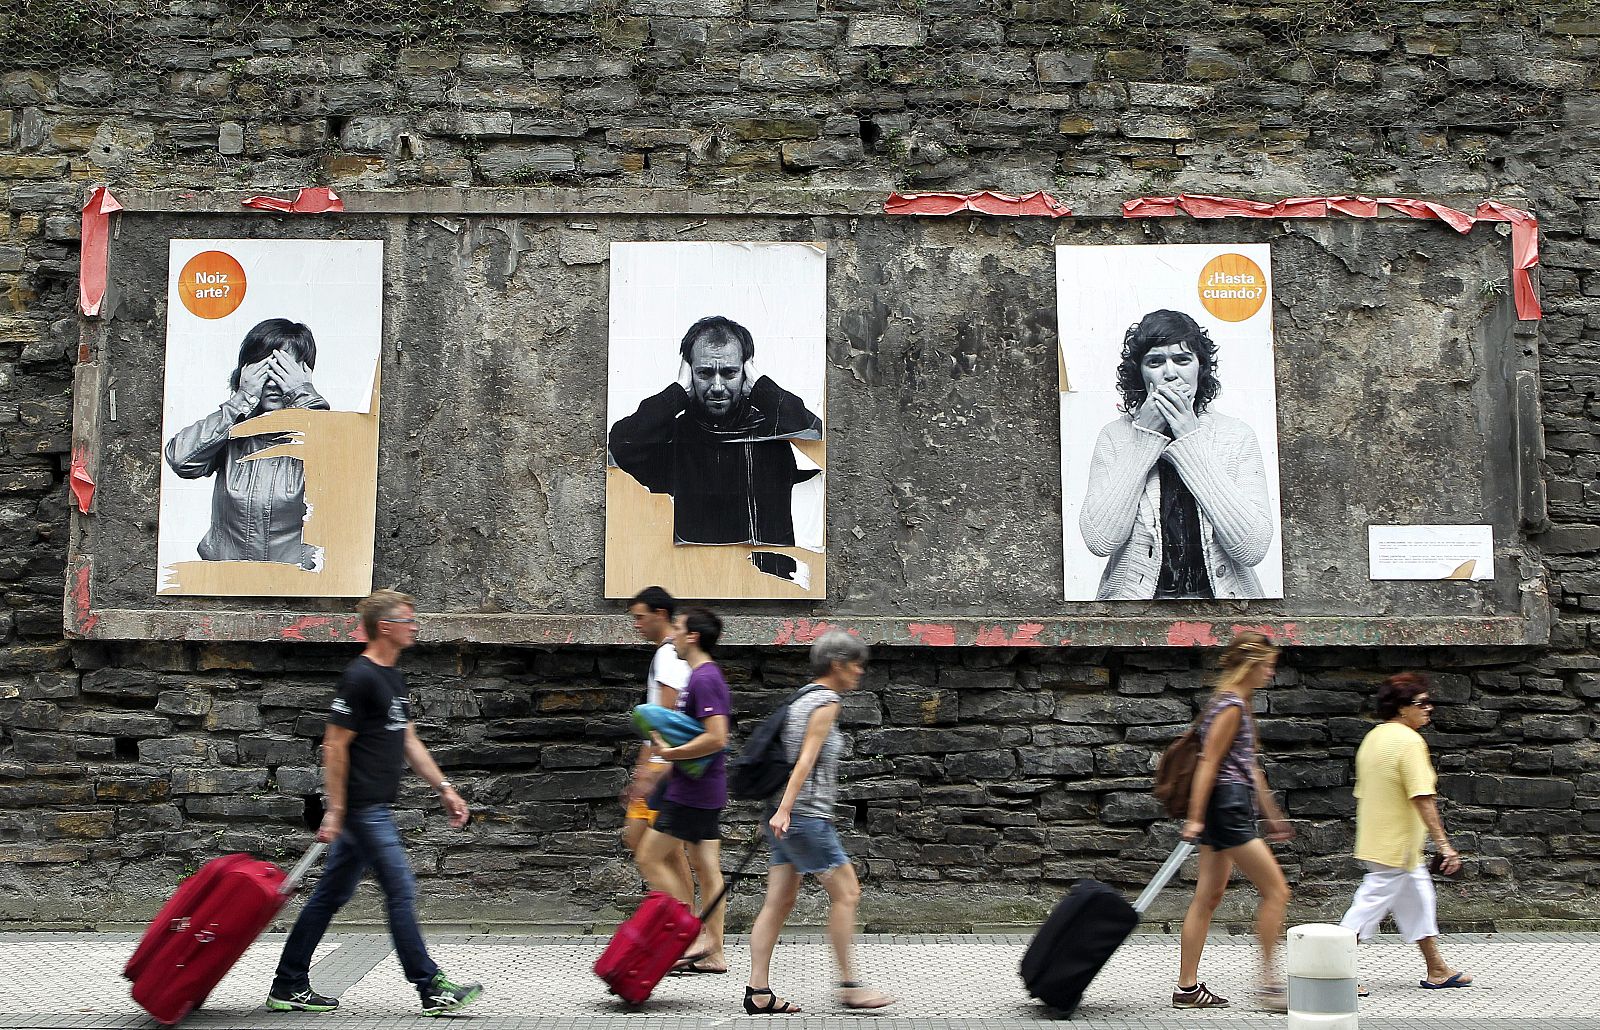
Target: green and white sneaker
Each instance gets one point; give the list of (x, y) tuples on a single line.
[(303, 1000), (441, 995)]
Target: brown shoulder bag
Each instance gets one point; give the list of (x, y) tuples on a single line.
[(1174, 779)]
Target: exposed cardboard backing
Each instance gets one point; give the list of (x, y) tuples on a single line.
[(638, 520), (340, 452)]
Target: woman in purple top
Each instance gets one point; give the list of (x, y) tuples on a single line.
[(689, 808), (1228, 787)]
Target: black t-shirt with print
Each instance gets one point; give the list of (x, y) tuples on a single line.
[(372, 701)]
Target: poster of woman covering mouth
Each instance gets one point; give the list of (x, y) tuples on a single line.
[(269, 428), (1169, 438), (715, 413)]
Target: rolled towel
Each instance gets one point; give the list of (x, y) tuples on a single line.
[(675, 728)]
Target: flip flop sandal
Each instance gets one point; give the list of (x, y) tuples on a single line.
[(687, 961), (691, 966), (877, 1000), (1454, 981)]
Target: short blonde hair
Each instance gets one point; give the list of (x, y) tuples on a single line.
[(379, 605)]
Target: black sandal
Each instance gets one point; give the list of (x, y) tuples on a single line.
[(771, 1008)]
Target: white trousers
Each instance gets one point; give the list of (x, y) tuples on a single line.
[(1408, 893)]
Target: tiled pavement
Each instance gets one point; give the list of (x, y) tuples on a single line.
[(945, 982)]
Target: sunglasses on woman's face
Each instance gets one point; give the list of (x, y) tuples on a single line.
[(1420, 702)]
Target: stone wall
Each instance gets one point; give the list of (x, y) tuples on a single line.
[(1006, 772)]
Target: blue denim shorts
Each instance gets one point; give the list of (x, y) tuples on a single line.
[(811, 845)]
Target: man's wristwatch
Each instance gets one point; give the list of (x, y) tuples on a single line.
[(445, 785)]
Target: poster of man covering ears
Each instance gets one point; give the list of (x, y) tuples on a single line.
[(270, 418), (1169, 434), (715, 455)]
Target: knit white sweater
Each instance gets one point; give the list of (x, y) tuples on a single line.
[(1220, 462)]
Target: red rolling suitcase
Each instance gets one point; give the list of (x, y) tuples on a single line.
[(203, 929), (652, 940), (647, 946)]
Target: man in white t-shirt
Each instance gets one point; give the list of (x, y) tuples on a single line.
[(653, 610)]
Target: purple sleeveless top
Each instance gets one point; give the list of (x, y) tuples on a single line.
[(1238, 765)]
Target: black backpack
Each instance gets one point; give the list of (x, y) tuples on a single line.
[(762, 766)]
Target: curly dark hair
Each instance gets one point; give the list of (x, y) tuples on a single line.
[(1398, 691), (1158, 329)]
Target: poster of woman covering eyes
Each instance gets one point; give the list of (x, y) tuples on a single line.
[(269, 429), (1169, 441)]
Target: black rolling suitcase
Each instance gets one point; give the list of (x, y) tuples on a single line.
[(1082, 933)]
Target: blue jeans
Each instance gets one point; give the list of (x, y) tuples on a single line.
[(370, 840)]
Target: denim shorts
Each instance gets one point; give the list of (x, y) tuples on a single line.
[(811, 845)]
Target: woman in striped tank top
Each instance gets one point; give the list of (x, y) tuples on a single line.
[(1229, 790)]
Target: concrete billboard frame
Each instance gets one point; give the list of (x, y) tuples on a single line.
[(1515, 610)]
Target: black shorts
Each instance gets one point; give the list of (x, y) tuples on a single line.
[(688, 824), (1230, 816)]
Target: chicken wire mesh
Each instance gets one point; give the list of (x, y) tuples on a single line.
[(1128, 80)]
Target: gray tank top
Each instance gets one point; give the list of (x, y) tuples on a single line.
[(821, 788)]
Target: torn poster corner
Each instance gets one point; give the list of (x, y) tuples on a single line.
[(783, 566), (81, 483), (310, 200)]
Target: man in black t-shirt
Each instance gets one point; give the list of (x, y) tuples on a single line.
[(369, 741)]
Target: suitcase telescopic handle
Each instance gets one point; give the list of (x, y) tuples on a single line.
[(1180, 854), (301, 868), (730, 880)]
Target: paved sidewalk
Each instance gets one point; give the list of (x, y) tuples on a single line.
[(945, 982)]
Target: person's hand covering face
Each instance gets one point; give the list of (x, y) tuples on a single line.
[(285, 375), (253, 379), (1171, 379)]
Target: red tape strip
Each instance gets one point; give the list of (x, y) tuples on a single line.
[(1524, 226), (311, 200), (81, 483), (983, 203), (94, 246)]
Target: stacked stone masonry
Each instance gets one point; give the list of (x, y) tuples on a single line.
[(980, 782)]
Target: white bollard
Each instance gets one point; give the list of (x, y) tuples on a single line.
[(1322, 977)]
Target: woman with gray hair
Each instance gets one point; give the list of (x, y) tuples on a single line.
[(802, 835)]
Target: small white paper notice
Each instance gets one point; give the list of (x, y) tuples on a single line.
[(1430, 552)]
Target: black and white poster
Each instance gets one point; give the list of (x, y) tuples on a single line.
[(1169, 441), (269, 428), (715, 419)]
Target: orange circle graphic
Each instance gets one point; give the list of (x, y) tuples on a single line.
[(212, 284), (1232, 287)]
